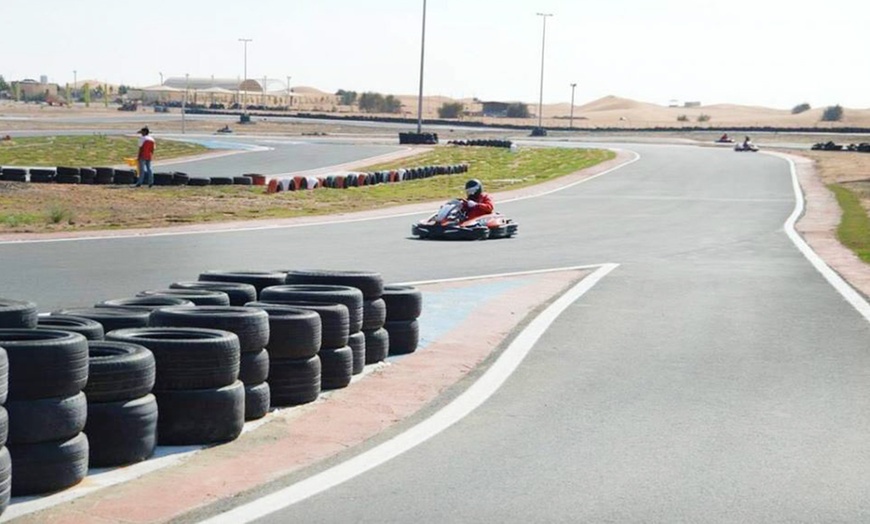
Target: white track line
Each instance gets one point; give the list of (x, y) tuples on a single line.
[(455, 411), (848, 292), (289, 226)]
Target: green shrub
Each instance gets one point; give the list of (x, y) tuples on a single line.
[(451, 110), (518, 110), (800, 108), (703, 118), (833, 114), (683, 118)]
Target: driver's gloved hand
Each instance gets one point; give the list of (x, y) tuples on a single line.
[(471, 204)]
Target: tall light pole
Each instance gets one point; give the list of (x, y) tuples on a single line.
[(571, 120), (161, 78), (288, 89), (245, 79), (543, 44), (184, 100), (75, 80), (422, 55)]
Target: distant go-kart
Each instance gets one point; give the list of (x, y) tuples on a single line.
[(752, 148), (450, 223)]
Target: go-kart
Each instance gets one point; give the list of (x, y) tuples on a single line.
[(752, 148), (724, 140), (225, 129), (451, 223)]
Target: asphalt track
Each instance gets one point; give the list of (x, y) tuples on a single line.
[(714, 375)]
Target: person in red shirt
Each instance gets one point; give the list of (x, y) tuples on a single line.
[(146, 153), (478, 203)]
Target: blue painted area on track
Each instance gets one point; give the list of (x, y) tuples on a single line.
[(220, 144), (443, 311)]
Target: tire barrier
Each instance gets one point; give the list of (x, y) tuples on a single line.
[(122, 413), (46, 416), (199, 396), (404, 305), (12, 174), (482, 143), (418, 138), (863, 147), (348, 180), (163, 178), (75, 400), (250, 325)]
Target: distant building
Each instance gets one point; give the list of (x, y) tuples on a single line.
[(495, 109), (30, 89), (692, 104)]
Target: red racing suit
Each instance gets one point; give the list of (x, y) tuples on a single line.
[(484, 206)]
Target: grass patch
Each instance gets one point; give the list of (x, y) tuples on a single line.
[(16, 220), (854, 228), (90, 207), (85, 151)]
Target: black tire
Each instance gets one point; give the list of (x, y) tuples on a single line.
[(88, 175), (42, 176), (294, 381), (46, 419), (5, 479), (404, 336), (4, 426), (221, 180), (239, 293), (243, 181), (45, 363), (337, 367), (200, 416), (122, 432), (377, 345), (125, 177), (374, 314), (403, 302), (258, 279), (257, 401), (369, 282), (18, 314), (328, 294), (150, 303), (254, 367), (91, 329), (180, 179), (249, 324), (119, 371), (199, 297), (105, 175), (68, 179), (198, 181), (334, 320), (163, 179), (110, 318), (62, 170), (357, 343), (294, 333), (48, 466), (4, 376), (187, 358)]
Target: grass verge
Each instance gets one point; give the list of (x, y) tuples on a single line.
[(854, 229), (84, 151), (85, 207)]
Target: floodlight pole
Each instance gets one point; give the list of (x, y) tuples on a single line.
[(571, 120), (543, 44), (422, 55), (184, 100), (75, 80)]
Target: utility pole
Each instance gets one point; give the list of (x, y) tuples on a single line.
[(245, 79), (161, 78), (75, 81), (422, 55), (543, 44), (571, 120), (265, 81), (288, 90), (184, 100)]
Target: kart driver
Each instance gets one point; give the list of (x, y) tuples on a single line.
[(478, 203)]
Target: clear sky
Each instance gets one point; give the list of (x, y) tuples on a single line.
[(771, 53)]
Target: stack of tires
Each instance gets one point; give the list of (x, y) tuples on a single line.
[(295, 336), (90, 329), (258, 279), (336, 357), (199, 297), (47, 410), (404, 304), (251, 327), (122, 412), (110, 318), (13, 174), (199, 396), (369, 344)]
